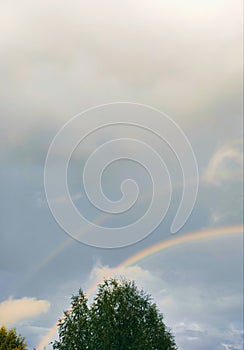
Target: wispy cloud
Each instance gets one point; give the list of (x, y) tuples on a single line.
[(225, 164)]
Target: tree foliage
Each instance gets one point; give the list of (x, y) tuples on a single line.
[(10, 340), (121, 317)]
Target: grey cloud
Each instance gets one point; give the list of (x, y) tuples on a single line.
[(58, 59)]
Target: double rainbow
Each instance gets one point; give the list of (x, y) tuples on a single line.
[(176, 240)]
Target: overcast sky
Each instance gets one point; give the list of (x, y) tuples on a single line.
[(185, 59)]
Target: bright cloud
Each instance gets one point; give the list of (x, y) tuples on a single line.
[(143, 277), (14, 310), (225, 164)]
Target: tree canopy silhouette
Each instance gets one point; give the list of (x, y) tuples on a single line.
[(10, 340), (121, 317)]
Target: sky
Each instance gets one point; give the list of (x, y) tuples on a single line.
[(59, 59)]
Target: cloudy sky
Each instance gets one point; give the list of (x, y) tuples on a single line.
[(184, 59)]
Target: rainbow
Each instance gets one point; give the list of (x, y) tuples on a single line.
[(176, 240)]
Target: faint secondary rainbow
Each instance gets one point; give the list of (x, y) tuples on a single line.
[(176, 240), (59, 249)]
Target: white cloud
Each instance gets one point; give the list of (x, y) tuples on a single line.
[(225, 164), (14, 310), (147, 279), (144, 279)]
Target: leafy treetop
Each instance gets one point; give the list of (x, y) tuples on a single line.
[(10, 340), (121, 317)]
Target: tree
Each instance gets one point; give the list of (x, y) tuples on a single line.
[(74, 327), (9, 340), (121, 317)]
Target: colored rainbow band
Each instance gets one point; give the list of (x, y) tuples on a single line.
[(177, 240)]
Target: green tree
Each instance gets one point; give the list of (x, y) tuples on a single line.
[(121, 317), (74, 327), (10, 340)]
